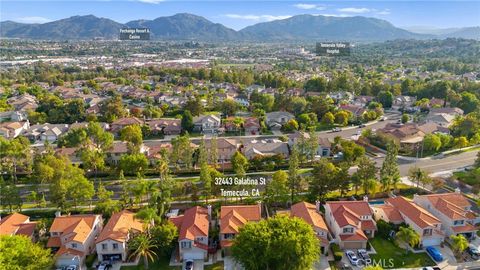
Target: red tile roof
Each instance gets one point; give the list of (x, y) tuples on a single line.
[(119, 226), (309, 213), (451, 205), (193, 223), (417, 214), (10, 224), (232, 218)]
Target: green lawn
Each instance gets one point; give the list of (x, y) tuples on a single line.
[(215, 266), (391, 256), (159, 264)]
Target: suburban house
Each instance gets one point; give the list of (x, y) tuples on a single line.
[(340, 96), (275, 120), (119, 124), (72, 238), (111, 244), (351, 223), (45, 132), (233, 217), (404, 210), (265, 148), (225, 149), (13, 116), (357, 111), (454, 111), (120, 148), (404, 101), (324, 145), (17, 224), (252, 126), (72, 153), (453, 210), (165, 126), (193, 227), (10, 130), (441, 119), (207, 124), (311, 214)]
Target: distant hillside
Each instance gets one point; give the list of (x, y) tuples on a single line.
[(310, 27), (185, 26), (76, 27), (466, 32)]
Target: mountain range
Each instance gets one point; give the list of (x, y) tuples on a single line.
[(184, 26)]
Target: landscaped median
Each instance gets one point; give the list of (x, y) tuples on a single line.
[(389, 255)]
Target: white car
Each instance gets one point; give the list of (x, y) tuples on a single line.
[(352, 257)]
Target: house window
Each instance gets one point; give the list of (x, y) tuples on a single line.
[(74, 245), (104, 246), (427, 232), (347, 230), (458, 222), (115, 246), (186, 244), (229, 236)]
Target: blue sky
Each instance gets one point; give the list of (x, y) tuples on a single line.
[(238, 14)]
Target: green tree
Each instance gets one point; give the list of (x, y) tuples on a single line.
[(79, 189), (165, 236), (10, 198), (328, 118), (390, 173), (19, 252), (274, 244), (432, 142), (323, 179), (385, 98), (417, 175), (182, 152), (133, 163), (409, 236), (277, 189), (132, 134), (293, 177), (105, 204), (291, 125), (187, 121), (239, 164), (142, 245), (460, 142), (92, 159), (366, 171), (459, 244), (206, 179), (405, 118), (15, 154), (341, 117)]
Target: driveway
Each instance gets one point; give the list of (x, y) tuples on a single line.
[(322, 264), (230, 264), (448, 257), (197, 264)]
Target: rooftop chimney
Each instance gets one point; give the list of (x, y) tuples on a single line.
[(58, 213), (365, 198), (209, 210), (317, 205), (457, 190)]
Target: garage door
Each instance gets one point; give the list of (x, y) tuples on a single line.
[(431, 242), (353, 245), (194, 255), (67, 261)]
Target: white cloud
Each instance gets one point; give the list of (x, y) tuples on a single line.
[(33, 19), (354, 10), (309, 6), (151, 1), (252, 17)]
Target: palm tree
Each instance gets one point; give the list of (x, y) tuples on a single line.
[(459, 243), (142, 245), (417, 175), (409, 236)]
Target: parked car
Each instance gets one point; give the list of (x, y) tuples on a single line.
[(346, 267), (362, 125), (72, 267), (383, 118), (336, 129), (189, 265), (473, 251), (104, 266), (362, 254), (435, 253), (352, 257)]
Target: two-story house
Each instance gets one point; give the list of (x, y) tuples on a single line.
[(225, 149), (232, 218), (275, 120), (453, 210), (298, 137), (207, 124), (193, 227), (72, 238), (111, 244), (404, 210), (351, 223), (17, 224), (310, 213)]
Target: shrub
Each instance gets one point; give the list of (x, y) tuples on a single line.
[(384, 228), (337, 252), (90, 259)]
